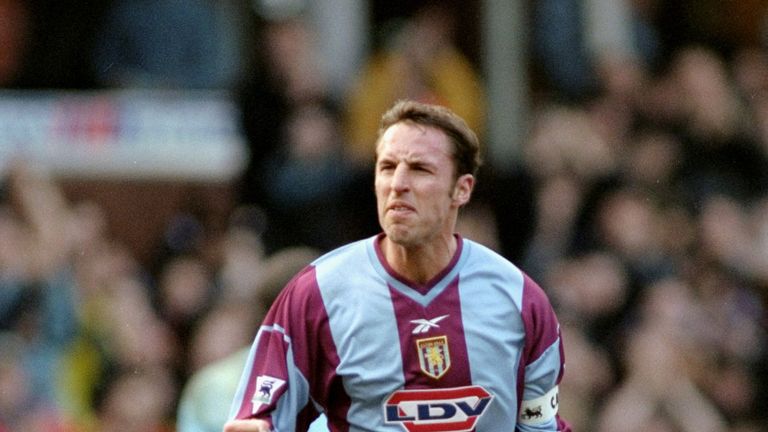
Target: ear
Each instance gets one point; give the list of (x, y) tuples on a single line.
[(462, 190)]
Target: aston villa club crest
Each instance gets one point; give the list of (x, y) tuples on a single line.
[(434, 357)]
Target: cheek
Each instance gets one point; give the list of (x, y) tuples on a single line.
[(380, 189), (381, 192), (439, 201)]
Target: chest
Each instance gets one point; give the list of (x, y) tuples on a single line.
[(388, 339)]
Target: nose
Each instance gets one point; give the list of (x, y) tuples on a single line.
[(400, 181)]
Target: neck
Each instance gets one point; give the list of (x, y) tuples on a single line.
[(420, 263)]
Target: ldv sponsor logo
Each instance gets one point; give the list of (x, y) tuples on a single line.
[(429, 410)]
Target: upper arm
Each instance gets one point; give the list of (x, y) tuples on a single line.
[(543, 362), (275, 381)]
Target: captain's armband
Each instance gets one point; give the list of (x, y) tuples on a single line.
[(540, 410)]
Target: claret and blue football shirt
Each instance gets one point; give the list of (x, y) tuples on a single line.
[(476, 349)]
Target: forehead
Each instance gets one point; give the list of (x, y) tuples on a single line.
[(411, 140)]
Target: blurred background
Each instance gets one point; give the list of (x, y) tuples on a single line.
[(167, 165)]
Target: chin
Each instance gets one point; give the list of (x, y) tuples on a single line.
[(400, 236), (405, 243), (406, 240)]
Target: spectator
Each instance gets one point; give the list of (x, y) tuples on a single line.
[(584, 48), (297, 161), (21, 406), (285, 74), (37, 289), (138, 400), (419, 61), (309, 175), (569, 162), (186, 293), (661, 200), (171, 44), (659, 391), (720, 155), (207, 396)]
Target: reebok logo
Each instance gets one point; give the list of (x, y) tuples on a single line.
[(424, 325)]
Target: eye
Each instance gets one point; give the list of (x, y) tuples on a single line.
[(384, 166), (421, 168)]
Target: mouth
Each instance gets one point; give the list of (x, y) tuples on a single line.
[(400, 207)]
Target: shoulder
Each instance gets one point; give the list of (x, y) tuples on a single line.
[(349, 264), (482, 257), (493, 266), (331, 268), (351, 252)]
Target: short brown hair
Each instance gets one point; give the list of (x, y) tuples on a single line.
[(466, 146)]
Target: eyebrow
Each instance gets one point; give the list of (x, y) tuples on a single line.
[(410, 162)]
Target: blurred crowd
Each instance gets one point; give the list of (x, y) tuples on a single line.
[(639, 202)]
